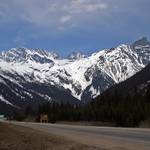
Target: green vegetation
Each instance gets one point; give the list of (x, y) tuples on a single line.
[(123, 110)]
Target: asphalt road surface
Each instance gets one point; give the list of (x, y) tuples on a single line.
[(103, 137)]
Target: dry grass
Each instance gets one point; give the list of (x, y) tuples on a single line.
[(20, 138)]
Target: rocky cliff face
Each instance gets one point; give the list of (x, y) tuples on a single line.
[(33, 76)]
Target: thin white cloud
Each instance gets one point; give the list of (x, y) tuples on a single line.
[(82, 6), (19, 41), (61, 14), (65, 19), (49, 12)]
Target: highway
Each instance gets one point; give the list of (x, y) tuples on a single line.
[(104, 137)]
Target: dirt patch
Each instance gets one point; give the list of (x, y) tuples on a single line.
[(14, 137)]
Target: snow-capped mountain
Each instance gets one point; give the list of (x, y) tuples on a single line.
[(24, 55), (33, 75), (75, 55)]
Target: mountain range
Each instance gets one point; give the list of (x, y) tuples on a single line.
[(36, 76)]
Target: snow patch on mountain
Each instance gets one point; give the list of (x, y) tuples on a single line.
[(78, 74), (76, 55), (5, 101)]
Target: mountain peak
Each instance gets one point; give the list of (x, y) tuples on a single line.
[(25, 55), (143, 42), (76, 55)]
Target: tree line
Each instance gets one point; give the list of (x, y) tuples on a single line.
[(122, 110), (127, 110)]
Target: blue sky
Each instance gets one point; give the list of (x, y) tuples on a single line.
[(66, 26)]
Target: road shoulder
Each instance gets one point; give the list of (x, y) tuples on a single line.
[(17, 137)]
